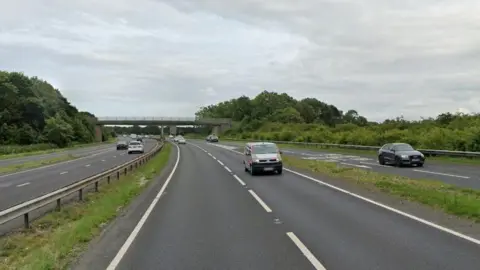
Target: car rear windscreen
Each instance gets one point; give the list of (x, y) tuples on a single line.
[(135, 143)]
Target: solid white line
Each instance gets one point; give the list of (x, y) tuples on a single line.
[(239, 180), (386, 207), (228, 169), (63, 172), (426, 222), (24, 184), (444, 174), (123, 250), (260, 201), (88, 165), (306, 252), (221, 163)]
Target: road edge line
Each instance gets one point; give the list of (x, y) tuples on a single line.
[(124, 249)]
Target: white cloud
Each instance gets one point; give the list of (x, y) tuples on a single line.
[(383, 58)]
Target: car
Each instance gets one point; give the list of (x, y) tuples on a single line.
[(400, 154), (170, 136), (181, 140), (135, 147), (176, 138), (122, 145), (139, 139), (262, 157), (212, 138)]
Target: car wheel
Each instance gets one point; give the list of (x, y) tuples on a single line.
[(420, 165), (252, 171), (398, 162), (279, 171), (246, 169), (381, 160), (129, 152)]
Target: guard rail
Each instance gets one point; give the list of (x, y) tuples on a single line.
[(427, 152), (23, 209)]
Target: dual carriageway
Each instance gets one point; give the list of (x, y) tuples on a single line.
[(210, 214)]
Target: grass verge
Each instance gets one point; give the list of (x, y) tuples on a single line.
[(440, 159), (16, 151), (451, 199), (35, 164), (56, 239)]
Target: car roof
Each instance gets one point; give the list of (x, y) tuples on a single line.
[(260, 143)]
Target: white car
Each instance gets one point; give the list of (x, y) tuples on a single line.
[(181, 140), (176, 138), (135, 147)]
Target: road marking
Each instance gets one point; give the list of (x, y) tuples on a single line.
[(214, 157), (376, 164), (306, 251), (355, 165), (260, 201), (239, 180), (444, 174), (103, 160), (88, 165), (426, 222), (210, 154), (221, 163), (123, 250), (114, 156), (52, 165), (63, 172), (228, 169), (386, 207), (24, 184)]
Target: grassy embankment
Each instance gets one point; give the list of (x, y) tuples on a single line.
[(451, 199), (56, 239)]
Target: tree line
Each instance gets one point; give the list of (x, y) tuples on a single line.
[(274, 116), (33, 112)]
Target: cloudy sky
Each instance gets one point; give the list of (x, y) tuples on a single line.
[(384, 58)]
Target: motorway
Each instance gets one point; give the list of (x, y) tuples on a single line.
[(211, 214), (79, 152), (25, 185), (456, 174)]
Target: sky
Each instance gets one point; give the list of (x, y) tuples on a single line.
[(167, 58)]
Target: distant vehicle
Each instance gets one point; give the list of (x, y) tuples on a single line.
[(135, 147), (170, 136), (181, 140), (262, 157), (133, 136), (176, 138), (212, 138), (139, 139), (400, 154), (122, 145)]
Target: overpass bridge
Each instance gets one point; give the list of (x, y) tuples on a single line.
[(219, 124)]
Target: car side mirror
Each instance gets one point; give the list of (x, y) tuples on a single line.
[(393, 150)]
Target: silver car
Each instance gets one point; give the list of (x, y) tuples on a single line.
[(262, 157)]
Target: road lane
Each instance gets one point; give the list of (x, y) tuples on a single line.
[(205, 220), (79, 152), (47, 179), (350, 233), (456, 174)]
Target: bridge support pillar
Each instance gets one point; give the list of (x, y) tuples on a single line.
[(161, 132), (173, 130), (216, 130), (98, 133)]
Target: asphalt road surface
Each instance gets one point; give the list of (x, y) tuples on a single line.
[(18, 187), (456, 174), (79, 152), (214, 215)]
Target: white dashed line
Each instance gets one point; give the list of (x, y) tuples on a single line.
[(114, 156), (214, 157), (88, 165), (210, 154), (24, 184), (260, 201), (103, 160), (306, 251), (221, 163), (444, 174), (228, 169), (386, 207), (239, 180), (63, 172)]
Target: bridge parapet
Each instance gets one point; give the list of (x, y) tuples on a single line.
[(161, 120)]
